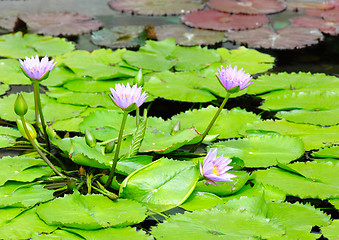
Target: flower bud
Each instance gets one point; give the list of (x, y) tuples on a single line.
[(20, 106), (90, 139), (30, 128), (109, 148), (176, 128), (139, 79)]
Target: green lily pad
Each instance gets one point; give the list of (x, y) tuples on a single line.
[(7, 214), (331, 232), (15, 194), (201, 200), (178, 86), (92, 86), (328, 152), (10, 72), (317, 180), (8, 136), (262, 151), (127, 233), (70, 125), (227, 125), (22, 169), (128, 165), (99, 64), (19, 45), (90, 212), (225, 188), (161, 185), (251, 60), (291, 82), (3, 87), (57, 234), (24, 226), (323, 118), (302, 100), (58, 76)]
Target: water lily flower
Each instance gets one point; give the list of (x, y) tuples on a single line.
[(128, 98), (36, 70), (232, 79), (214, 169)]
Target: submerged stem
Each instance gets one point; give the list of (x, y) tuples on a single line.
[(38, 111), (211, 123), (45, 159), (116, 155)]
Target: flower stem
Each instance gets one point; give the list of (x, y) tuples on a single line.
[(211, 123), (45, 159), (38, 111), (116, 155), (137, 115)]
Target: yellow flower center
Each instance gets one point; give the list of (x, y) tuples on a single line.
[(216, 170)]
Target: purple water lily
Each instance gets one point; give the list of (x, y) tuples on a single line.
[(128, 98), (36, 70), (233, 79), (214, 169)]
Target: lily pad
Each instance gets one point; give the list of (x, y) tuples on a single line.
[(8, 136), (201, 200), (90, 212), (161, 185), (323, 118), (220, 21), (92, 86), (120, 37), (60, 23), (19, 45), (248, 6), (157, 7), (289, 37), (329, 27), (185, 36), (262, 151), (328, 152), (331, 231)]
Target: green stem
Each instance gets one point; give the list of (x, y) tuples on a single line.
[(116, 155), (38, 112), (137, 115), (211, 123), (45, 159)]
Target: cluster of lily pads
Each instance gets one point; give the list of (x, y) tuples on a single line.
[(284, 147)]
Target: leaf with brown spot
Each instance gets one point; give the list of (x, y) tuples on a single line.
[(60, 23)]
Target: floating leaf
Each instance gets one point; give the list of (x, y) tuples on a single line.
[(329, 152), (126, 166), (15, 194), (166, 85), (99, 64), (60, 23), (201, 200), (262, 151), (220, 21), (92, 86), (329, 27), (120, 37), (216, 224), (302, 100), (248, 6), (57, 234), (8, 136), (308, 186), (323, 118), (90, 212), (127, 233), (289, 37), (294, 82), (237, 118), (185, 36), (157, 7), (24, 226), (20, 45), (161, 185), (331, 232), (22, 169)]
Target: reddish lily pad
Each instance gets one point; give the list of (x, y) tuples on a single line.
[(310, 5), (331, 28), (221, 21), (156, 7), (331, 15), (11, 23), (185, 36), (248, 6), (60, 23), (289, 37), (120, 37)]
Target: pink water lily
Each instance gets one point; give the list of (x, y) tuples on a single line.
[(214, 169), (232, 79), (35, 69), (128, 98)]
